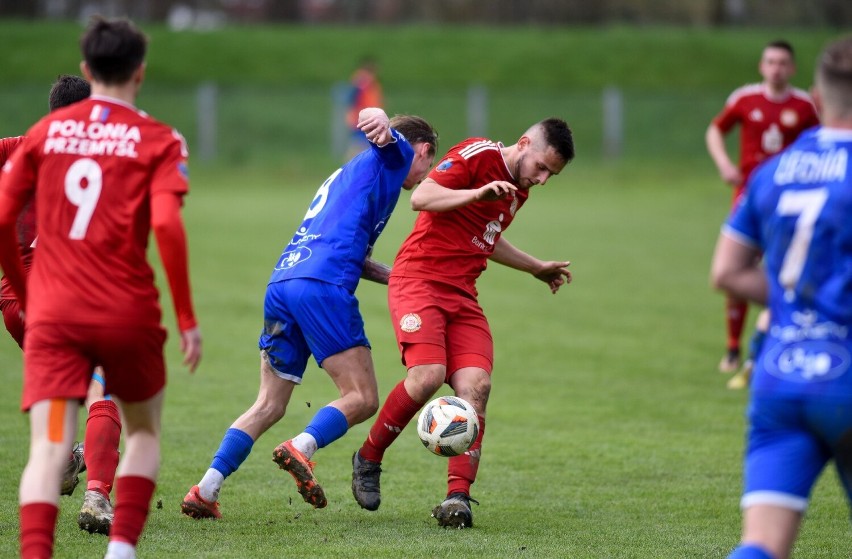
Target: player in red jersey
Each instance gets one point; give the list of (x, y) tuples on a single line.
[(465, 205), (103, 426), (103, 175), (771, 114)]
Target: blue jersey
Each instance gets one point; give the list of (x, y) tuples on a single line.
[(798, 211), (346, 216)]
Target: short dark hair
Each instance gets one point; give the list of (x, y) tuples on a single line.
[(416, 130), (113, 49), (781, 44), (558, 135), (834, 75), (67, 90)]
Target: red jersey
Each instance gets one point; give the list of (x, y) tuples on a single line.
[(766, 126), (453, 247), (26, 220), (94, 167)]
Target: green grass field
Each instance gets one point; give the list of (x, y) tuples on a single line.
[(610, 433)]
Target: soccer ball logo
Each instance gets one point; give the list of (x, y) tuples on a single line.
[(448, 426)]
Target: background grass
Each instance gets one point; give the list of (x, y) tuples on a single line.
[(610, 433)]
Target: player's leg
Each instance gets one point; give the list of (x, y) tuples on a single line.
[(236, 445), (103, 431), (137, 473), (742, 378), (420, 328), (56, 375), (783, 461), (53, 424), (329, 318), (283, 358), (736, 311)]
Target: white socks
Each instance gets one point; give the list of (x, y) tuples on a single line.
[(120, 550), (306, 444), (210, 485)]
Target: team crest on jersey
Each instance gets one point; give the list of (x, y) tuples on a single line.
[(410, 323), (789, 118), (756, 115), (444, 165)]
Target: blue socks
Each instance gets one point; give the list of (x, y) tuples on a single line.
[(328, 425), (234, 449), (749, 551)]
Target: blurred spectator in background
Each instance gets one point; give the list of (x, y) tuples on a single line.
[(365, 91)]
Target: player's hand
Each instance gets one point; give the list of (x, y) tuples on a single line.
[(731, 175), (375, 124), (496, 190), (190, 346), (554, 274)]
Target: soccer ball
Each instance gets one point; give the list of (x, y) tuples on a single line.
[(448, 426)]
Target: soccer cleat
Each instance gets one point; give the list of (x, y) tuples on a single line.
[(75, 466), (365, 482), (730, 363), (96, 514), (196, 506), (290, 459), (743, 378), (455, 511)]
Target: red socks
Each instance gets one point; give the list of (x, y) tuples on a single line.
[(38, 524), (735, 313), (395, 414), (132, 502), (462, 469), (103, 429)]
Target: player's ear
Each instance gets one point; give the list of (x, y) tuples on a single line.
[(84, 69)]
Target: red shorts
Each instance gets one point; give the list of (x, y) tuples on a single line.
[(59, 360), (436, 322), (12, 318)]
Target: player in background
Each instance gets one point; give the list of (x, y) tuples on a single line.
[(771, 114), (365, 91), (99, 455), (465, 205), (102, 175), (310, 308), (796, 213)]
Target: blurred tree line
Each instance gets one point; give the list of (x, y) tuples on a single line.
[(201, 13)]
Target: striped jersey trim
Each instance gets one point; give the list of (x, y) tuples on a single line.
[(477, 147)]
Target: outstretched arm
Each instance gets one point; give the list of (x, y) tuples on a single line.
[(171, 241), (431, 196), (554, 274)]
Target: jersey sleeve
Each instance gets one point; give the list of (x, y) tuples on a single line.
[(453, 172), (396, 154), (729, 116), (172, 173)]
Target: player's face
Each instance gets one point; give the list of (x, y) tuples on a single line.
[(777, 67), (419, 168), (535, 166)]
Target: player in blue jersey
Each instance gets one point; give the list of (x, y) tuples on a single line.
[(797, 213), (310, 307)]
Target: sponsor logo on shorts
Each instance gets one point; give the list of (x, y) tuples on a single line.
[(410, 323)]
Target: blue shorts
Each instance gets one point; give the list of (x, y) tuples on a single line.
[(306, 316), (790, 441)]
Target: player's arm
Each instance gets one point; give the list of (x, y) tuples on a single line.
[(171, 241), (736, 269), (10, 253), (554, 274), (432, 197), (715, 140)]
